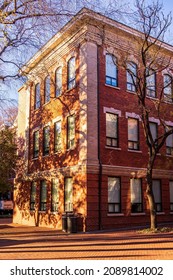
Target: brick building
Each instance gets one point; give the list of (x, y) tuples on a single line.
[(81, 141)]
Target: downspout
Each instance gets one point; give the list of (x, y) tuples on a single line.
[(99, 149)]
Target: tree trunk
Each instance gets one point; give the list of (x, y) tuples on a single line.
[(150, 196)]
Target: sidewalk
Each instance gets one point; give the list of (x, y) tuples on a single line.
[(24, 242)]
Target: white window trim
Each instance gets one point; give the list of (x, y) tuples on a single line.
[(112, 110), (133, 116)]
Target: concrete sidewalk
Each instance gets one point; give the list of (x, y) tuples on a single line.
[(23, 242)]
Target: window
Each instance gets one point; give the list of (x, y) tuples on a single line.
[(171, 195), (33, 196), (133, 134), (151, 83), (70, 132), (47, 90), (136, 195), (58, 81), (153, 129), (55, 195), (46, 140), (71, 73), (114, 195), (57, 130), (167, 79), (43, 196), (169, 144), (111, 130), (156, 187), (36, 144), (131, 76), (111, 70), (68, 195), (37, 96)]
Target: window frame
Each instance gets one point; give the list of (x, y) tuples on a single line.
[(136, 207), (43, 200), (159, 203), (37, 97), (36, 144), (54, 202), (109, 137), (68, 194), (133, 145), (58, 82), (47, 83), (131, 78), (46, 143), (169, 148), (33, 196), (71, 73), (57, 138), (111, 79), (168, 96), (71, 135), (151, 87), (171, 195), (115, 205)]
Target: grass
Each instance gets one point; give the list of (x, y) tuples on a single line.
[(157, 230)]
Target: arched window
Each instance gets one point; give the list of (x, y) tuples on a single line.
[(71, 73), (111, 70), (47, 90), (131, 72), (58, 81), (37, 96), (167, 81)]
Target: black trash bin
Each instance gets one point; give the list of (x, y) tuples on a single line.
[(64, 222), (71, 223)]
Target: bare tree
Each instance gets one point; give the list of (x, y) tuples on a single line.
[(153, 60)]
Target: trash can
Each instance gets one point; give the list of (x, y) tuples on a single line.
[(71, 223), (64, 222)]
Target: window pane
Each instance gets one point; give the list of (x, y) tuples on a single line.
[(131, 76), (132, 129), (68, 194), (33, 196), (71, 131), (171, 191), (55, 195), (111, 70), (111, 125), (43, 195), (57, 127), (113, 190), (71, 73), (136, 191), (151, 83), (47, 89), (153, 128), (37, 96), (36, 143), (58, 81), (167, 85), (46, 139), (156, 191)]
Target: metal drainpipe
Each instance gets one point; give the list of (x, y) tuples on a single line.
[(99, 155)]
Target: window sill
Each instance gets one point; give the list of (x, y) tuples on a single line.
[(138, 214), (34, 158), (112, 86), (113, 148), (115, 214), (135, 151), (131, 92), (42, 211), (171, 213), (160, 213)]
